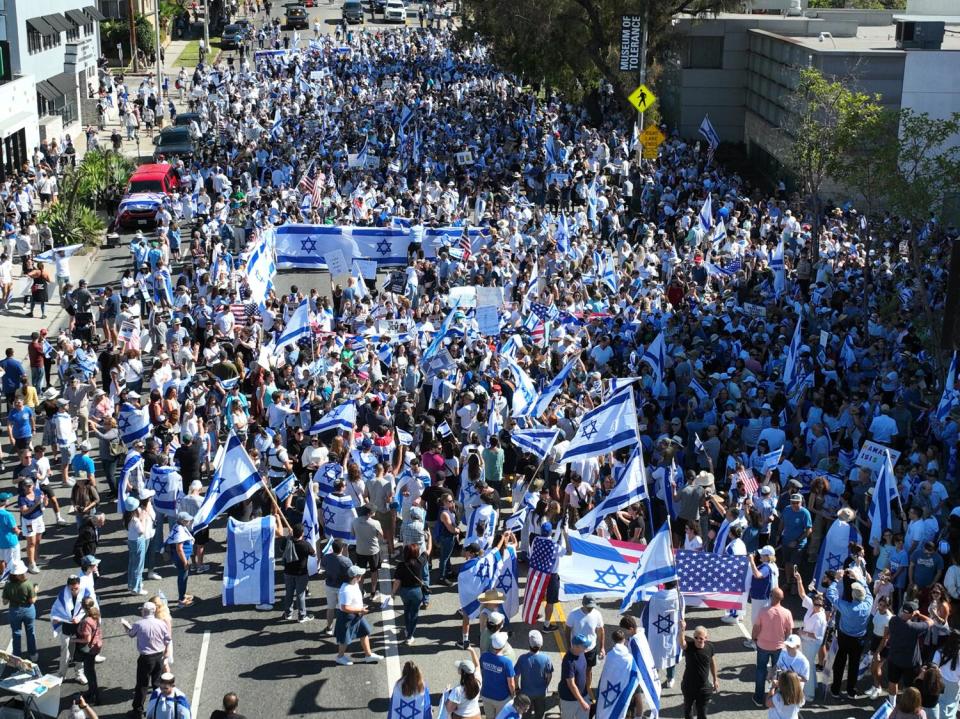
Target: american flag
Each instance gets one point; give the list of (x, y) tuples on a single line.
[(465, 244), (749, 482), (310, 185), (543, 312), (240, 316), (712, 580), (544, 553)]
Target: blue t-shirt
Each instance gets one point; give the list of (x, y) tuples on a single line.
[(495, 669), (20, 423), (899, 558), (82, 464), (925, 567), (535, 671), (795, 523), (8, 533), (13, 375), (572, 667)]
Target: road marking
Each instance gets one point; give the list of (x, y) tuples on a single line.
[(558, 632), (198, 682), (391, 633)]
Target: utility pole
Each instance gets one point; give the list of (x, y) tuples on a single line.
[(206, 25), (156, 4), (132, 23), (643, 58)]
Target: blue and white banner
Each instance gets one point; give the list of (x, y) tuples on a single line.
[(285, 488), (50, 255), (311, 526), (660, 619), (248, 576), (537, 441), (609, 427), (656, 566), (551, 390), (133, 423), (235, 480), (127, 471), (338, 515), (166, 481), (593, 566), (261, 270), (508, 582), (835, 548), (885, 492), (655, 355), (630, 487), (141, 202), (649, 677), (618, 682), (525, 392), (343, 417), (770, 460), (477, 576), (297, 327)]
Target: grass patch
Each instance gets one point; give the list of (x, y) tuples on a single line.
[(190, 57)]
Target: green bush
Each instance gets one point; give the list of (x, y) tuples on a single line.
[(102, 172), (117, 31)]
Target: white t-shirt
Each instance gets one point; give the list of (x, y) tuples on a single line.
[(585, 623), (465, 707), (349, 595), (779, 711), (816, 623)]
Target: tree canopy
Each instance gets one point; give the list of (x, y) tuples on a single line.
[(572, 44)]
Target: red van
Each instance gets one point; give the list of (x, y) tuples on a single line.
[(145, 192)]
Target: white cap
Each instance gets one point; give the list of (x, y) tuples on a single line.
[(498, 640), (792, 641), (767, 551)]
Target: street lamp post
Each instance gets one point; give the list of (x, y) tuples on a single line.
[(206, 25), (157, 53)]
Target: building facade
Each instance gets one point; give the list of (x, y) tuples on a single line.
[(51, 49)]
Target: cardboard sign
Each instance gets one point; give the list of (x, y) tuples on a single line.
[(336, 262), (488, 320), (873, 455), (754, 310), (393, 327), (489, 296), (397, 283), (368, 269), (462, 297), (464, 158), (824, 338)]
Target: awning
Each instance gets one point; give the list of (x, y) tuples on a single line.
[(58, 22), (48, 91), (65, 83), (77, 17), (42, 26), (92, 11)]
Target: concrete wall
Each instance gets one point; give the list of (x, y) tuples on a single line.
[(930, 84), (19, 100)]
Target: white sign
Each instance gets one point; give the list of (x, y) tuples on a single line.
[(462, 297), (368, 269), (336, 262), (824, 338), (488, 320), (464, 158), (393, 327), (873, 455), (489, 296), (754, 310), (440, 361)]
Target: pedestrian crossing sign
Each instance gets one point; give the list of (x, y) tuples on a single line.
[(642, 98)]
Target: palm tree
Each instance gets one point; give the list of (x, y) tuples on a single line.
[(103, 172)]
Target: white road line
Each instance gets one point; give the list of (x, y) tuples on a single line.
[(198, 682), (391, 632)]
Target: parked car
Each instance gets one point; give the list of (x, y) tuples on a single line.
[(377, 6), (173, 142), (395, 11), (145, 191), (232, 36), (184, 119), (295, 16), (353, 11)]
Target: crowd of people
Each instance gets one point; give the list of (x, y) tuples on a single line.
[(598, 253)]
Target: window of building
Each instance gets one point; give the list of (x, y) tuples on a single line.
[(88, 29), (702, 53), (51, 41), (74, 34), (34, 42)]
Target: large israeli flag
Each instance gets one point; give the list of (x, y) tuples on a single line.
[(311, 526), (779, 269), (706, 215), (609, 427), (260, 272), (415, 707), (235, 480), (477, 576), (593, 566), (508, 582), (656, 566), (525, 393), (551, 390), (885, 491), (343, 417), (950, 397), (631, 487), (133, 423), (660, 619), (248, 576), (127, 470), (297, 327), (770, 460), (482, 525), (655, 355), (649, 677), (618, 682), (537, 441), (792, 370), (835, 548), (338, 515), (166, 481)]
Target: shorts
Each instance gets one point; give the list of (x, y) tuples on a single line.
[(201, 537), (22, 443), (350, 627), (369, 561), (591, 657), (386, 519), (897, 673), (9, 555), (875, 642), (32, 527), (791, 555), (553, 589), (333, 596), (67, 454)]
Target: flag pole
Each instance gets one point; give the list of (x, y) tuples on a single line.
[(276, 504)]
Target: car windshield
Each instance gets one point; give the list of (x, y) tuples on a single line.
[(231, 29), (146, 186), (176, 136)]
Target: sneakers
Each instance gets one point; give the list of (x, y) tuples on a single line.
[(372, 658), (153, 575), (549, 627), (328, 631), (758, 702), (668, 684), (287, 616), (138, 593), (61, 520), (834, 694), (873, 692), (465, 644), (377, 598), (306, 618), (749, 644), (81, 677), (344, 661), (34, 569), (409, 640), (99, 659), (446, 582), (729, 619)]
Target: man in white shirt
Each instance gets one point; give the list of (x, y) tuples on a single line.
[(883, 428), (587, 621)]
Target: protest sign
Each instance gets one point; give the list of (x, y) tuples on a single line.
[(754, 310), (489, 296), (488, 320), (397, 283), (368, 269), (336, 262), (464, 158), (873, 455)]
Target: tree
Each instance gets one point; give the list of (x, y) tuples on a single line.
[(101, 173), (572, 44), (824, 130), (71, 220)]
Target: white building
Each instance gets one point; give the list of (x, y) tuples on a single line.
[(49, 50)]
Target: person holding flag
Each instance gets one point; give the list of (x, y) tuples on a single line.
[(295, 574)]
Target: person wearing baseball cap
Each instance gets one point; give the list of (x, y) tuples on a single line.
[(352, 620), (792, 660), (796, 526), (574, 686), (534, 674), (904, 632), (766, 576), (497, 675), (586, 621)]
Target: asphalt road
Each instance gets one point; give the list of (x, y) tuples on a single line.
[(286, 669)]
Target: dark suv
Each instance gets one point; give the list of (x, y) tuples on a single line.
[(295, 16)]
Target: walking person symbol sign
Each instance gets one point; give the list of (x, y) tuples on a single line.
[(642, 98)]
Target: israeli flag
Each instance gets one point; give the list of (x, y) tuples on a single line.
[(66, 607), (285, 488), (669, 482), (706, 215), (363, 154), (835, 548), (593, 566), (163, 287), (630, 487), (477, 576), (276, 129), (416, 707), (885, 492), (71, 250), (656, 566), (884, 710), (718, 236), (325, 477), (441, 333), (494, 423), (660, 619), (708, 133), (610, 277), (311, 526), (130, 463), (649, 678), (167, 482), (618, 682), (298, 326), (248, 576), (536, 441), (792, 371), (848, 353), (562, 235), (133, 423), (261, 270), (592, 201), (551, 390), (235, 480), (444, 429), (518, 519), (655, 355), (385, 355), (530, 294), (404, 438), (698, 389), (482, 525), (609, 427), (770, 460), (508, 582), (950, 398), (779, 270), (525, 393), (342, 418), (338, 515)]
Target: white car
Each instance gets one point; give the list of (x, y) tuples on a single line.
[(395, 11)]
